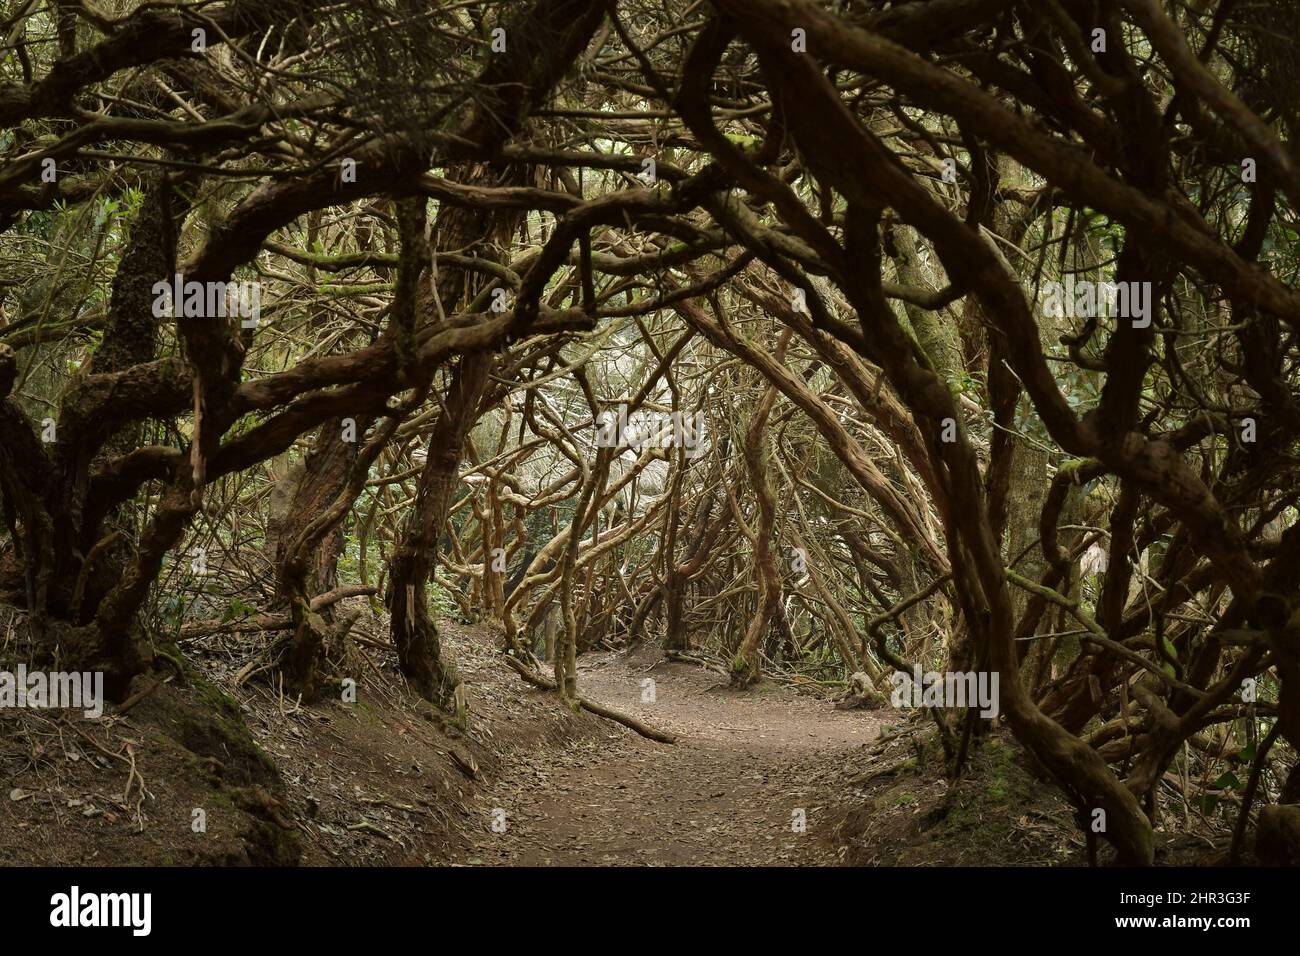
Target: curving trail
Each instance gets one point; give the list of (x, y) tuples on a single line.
[(724, 794)]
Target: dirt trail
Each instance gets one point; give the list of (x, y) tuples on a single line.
[(725, 794)]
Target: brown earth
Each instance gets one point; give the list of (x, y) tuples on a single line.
[(752, 779), (768, 776)]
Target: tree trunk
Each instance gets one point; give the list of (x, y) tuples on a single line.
[(747, 667), (414, 632)]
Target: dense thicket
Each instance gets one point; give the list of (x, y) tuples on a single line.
[(828, 338)]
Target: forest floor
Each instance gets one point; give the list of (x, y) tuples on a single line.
[(204, 767), (751, 779)]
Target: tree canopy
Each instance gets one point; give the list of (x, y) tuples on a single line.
[(839, 339)]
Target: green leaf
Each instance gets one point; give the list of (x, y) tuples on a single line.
[(1228, 781)]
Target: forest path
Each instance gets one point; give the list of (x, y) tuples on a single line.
[(725, 794)]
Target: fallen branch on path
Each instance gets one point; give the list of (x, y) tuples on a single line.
[(683, 658), (600, 710)]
